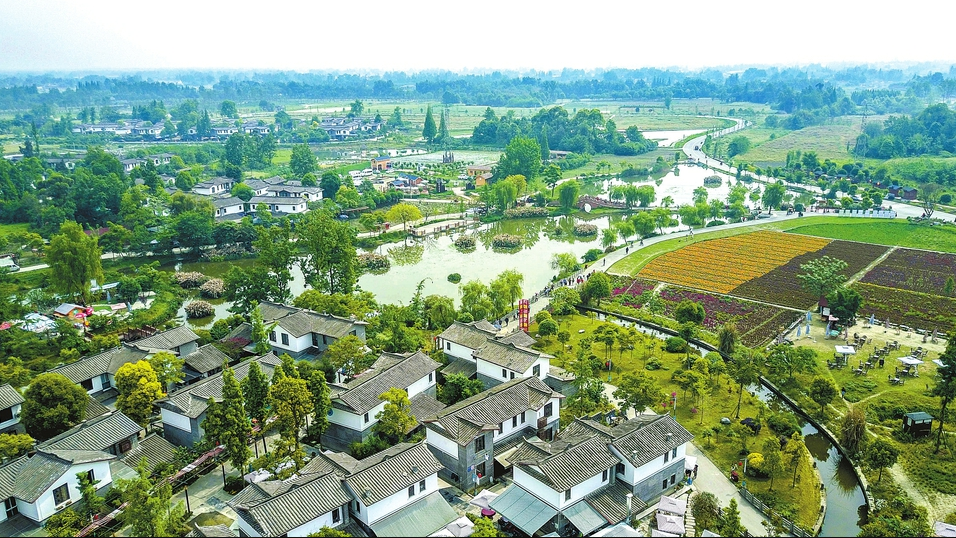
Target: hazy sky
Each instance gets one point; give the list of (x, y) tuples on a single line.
[(422, 34)]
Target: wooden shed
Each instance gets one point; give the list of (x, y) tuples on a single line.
[(918, 424)]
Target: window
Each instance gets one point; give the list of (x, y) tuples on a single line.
[(324, 340), (272, 336), (480, 469), (448, 346), (336, 517), (366, 418), (6, 414), (315, 340), (604, 475), (514, 421), (61, 494), (674, 453), (664, 485), (285, 339), (619, 468), (358, 507), (91, 476), (512, 375), (10, 505), (431, 376), (105, 381), (667, 457), (411, 491), (536, 371), (567, 494), (673, 479), (501, 428), (480, 443), (523, 419), (87, 384), (548, 409), (504, 373), (421, 486)]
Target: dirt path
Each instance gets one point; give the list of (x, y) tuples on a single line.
[(867, 269), (937, 505)]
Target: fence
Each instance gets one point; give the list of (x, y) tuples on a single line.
[(790, 526)]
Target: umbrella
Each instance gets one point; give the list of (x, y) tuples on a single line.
[(910, 361), (938, 362), (872, 318), (809, 317), (798, 331), (834, 318)]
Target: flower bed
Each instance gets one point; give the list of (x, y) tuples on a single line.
[(585, 230), (190, 279), (781, 285), (199, 309), (913, 270), (913, 309), (526, 212), (713, 181), (212, 288), (374, 263), (506, 241), (629, 291), (465, 243)]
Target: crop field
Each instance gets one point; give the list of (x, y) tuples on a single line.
[(913, 270), (721, 265), (883, 232), (781, 285), (913, 309), (828, 141)]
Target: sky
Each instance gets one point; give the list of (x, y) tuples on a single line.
[(413, 35)]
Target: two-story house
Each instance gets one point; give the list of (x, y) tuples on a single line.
[(214, 186), (468, 436), (10, 402), (113, 433), (303, 333), (95, 373), (460, 340), (184, 410), (356, 404), (497, 362), (178, 341), (228, 207), (204, 362)]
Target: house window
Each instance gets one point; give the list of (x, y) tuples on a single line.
[(61, 494), (366, 418), (664, 485), (619, 468), (336, 517), (523, 418), (667, 457), (548, 409), (674, 453), (567, 494), (358, 507), (536, 371), (501, 428), (87, 384), (411, 491), (285, 339), (448, 346), (91, 476), (504, 373), (673, 479), (6, 414), (604, 476), (514, 421), (480, 443), (480, 469), (10, 505), (455, 478), (315, 340), (431, 376), (421, 486), (272, 336), (105, 381), (512, 375)]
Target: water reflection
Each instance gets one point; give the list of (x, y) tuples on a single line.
[(407, 254)]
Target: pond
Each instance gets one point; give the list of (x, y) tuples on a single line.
[(680, 186)]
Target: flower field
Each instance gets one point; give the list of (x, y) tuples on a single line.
[(756, 322), (913, 309), (781, 285), (721, 265), (630, 289), (913, 270)]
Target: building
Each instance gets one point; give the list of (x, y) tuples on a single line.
[(460, 340), (356, 404), (113, 433), (468, 437), (477, 170), (497, 362), (228, 207), (214, 186), (300, 332), (908, 193), (96, 373), (294, 189), (279, 205), (179, 341), (10, 403), (184, 410), (68, 310), (381, 163), (483, 179), (918, 424), (204, 362)]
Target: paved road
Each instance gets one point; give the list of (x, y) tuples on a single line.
[(711, 480)]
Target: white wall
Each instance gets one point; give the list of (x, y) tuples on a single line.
[(633, 476), (421, 385), (247, 529), (325, 520), (544, 365), (398, 500), (555, 410), (536, 488), (584, 489), (440, 442), (457, 350), (493, 371), (509, 429), (46, 506), (175, 420)]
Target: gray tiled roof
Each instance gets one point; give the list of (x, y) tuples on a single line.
[(98, 434), (299, 321), (275, 515), (212, 531), (108, 361), (9, 396), (641, 441), (424, 406), (154, 448), (485, 411), (471, 335), (206, 359), (509, 355), (167, 340), (391, 471), (570, 467), (611, 502), (461, 366), (193, 400), (95, 409), (518, 338), (361, 394), (226, 201), (28, 477)]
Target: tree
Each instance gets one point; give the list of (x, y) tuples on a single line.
[(638, 392), (853, 430), (727, 338), (484, 528), (64, 524), (292, 402), (737, 146), (547, 328), (138, 389), (396, 419), (564, 301), (795, 451), (522, 157), (128, 289), (228, 109), (844, 302), (148, 510), (506, 288), (929, 197), (330, 185), (92, 503), (822, 390), (439, 311), (330, 263), (880, 454), (731, 525), (404, 213), (745, 372), (235, 427), (276, 252), (74, 260), (343, 354), (552, 175), (772, 459), (331, 532), (476, 300), (259, 332), (321, 405), (568, 194), (52, 404), (823, 275), (564, 262), (598, 286), (787, 359), (13, 445), (429, 130), (945, 386), (688, 311), (458, 387), (303, 161), (168, 368), (706, 511), (356, 108)]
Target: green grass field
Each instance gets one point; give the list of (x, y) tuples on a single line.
[(828, 141), (6, 229), (883, 232)]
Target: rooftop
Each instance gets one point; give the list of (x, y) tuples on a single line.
[(391, 471), (193, 400), (509, 355), (361, 395), (471, 335), (100, 433)]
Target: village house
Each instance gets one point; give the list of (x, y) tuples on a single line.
[(204, 362), (113, 433), (470, 436), (356, 404), (300, 332), (211, 187), (179, 340), (10, 403), (259, 187), (183, 410), (294, 189), (228, 207), (381, 163), (95, 373), (279, 205), (477, 170), (497, 362)]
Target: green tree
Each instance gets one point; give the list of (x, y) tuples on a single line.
[(772, 459), (745, 371), (330, 263), (598, 286), (484, 528), (292, 403), (321, 405), (74, 260), (396, 419), (259, 332), (773, 195), (547, 328), (738, 146), (255, 394), (168, 368), (458, 387), (276, 251), (430, 130), (928, 197), (568, 194), (880, 454), (439, 311), (944, 388), (822, 390), (52, 404), (331, 532), (688, 311), (13, 445), (727, 339), (796, 452), (303, 161), (706, 511), (476, 300), (638, 392), (787, 359), (148, 511), (344, 354), (506, 289), (565, 263), (404, 213), (64, 524), (823, 275), (853, 430), (552, 175), (356, 108), (844, 302), (138, 388), (330, 185), (564, 301), (228, 109), (522, 156), (731, 525), (128, 289), (395, 120), (92, 503), (236, 428)]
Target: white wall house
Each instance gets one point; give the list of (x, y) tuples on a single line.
[(277, 204), (499, 361), (460, 340), (301, 332), (41, 485), (297, 507), (10, 402), (228, 206), (95, 373), (213, 186)]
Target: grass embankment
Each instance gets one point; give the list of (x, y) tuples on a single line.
[(720, 400), (827, 141), (882, 232)]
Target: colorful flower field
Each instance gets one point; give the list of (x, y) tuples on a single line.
[(913, 309), (913, 270), (756, 322), (721, 265), (781, 285), (630, 289)]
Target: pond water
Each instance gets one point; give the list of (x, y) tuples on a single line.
[(680, 186)]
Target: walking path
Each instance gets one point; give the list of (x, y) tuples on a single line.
[(711, 480)]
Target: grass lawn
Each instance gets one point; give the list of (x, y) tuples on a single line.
[(882, 232), (6, 229), (282, 156), (828, 141), (719, 401), (645, 160)]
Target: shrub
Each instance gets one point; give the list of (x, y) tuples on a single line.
[(675, 344), (783, 424), (199, 309), (465, 243), (212, 288), (585, 230), (191, 279), (654, 364), (506, 241), (372, 445), (526, 212), (234, 484), (713, 181), (454, 278), (374, 263), (592, 255)]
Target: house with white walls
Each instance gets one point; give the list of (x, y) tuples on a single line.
[(214, 186), (10, 403), (113, 433), (497, 362), (95, 372), (303, 333), (460, 340), (356, 404), (470, 437)]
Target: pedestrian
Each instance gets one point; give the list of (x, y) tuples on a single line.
[(695, 471), (627, 250), (603, 261)]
